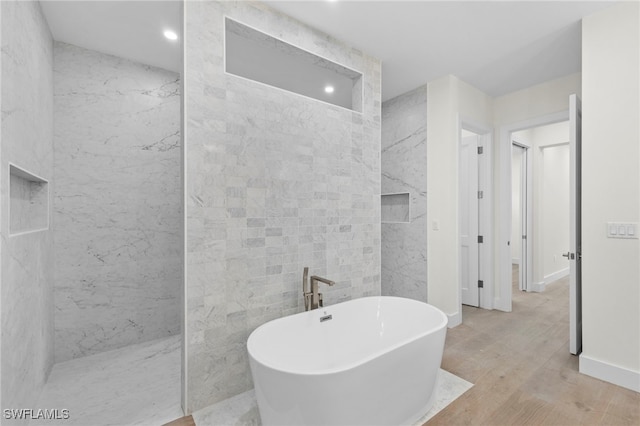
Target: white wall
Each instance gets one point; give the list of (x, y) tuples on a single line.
[(555, 215), (551, 163), (555, 209), (536, 101), (442, 204), (449, 100), (611, 192)]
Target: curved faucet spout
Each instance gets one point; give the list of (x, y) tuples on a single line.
[(322, 280)]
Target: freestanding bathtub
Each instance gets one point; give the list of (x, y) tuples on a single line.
[(368, 361)]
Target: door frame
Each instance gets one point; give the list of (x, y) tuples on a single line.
[(503, 297), (485, 210), (525, 271), (575, 225)]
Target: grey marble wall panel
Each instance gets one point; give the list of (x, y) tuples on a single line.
[(27, 259), (404, 169), (117, 203), (275, 182)]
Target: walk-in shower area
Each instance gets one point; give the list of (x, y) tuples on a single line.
[(92, 256)]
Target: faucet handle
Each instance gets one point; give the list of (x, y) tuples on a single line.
[(305, 279), (306, 294), (307, 301)]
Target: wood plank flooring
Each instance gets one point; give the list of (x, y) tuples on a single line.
[(182, 421), (522, 371)]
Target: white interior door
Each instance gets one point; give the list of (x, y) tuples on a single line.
[(575, 226), (469, 220)]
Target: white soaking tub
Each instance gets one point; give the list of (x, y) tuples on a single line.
[(374, 362)]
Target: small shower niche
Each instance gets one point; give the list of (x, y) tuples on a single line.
[(396, 208), (28, 202), (257, 56)]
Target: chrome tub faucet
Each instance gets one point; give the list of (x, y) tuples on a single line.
[(312, 298)]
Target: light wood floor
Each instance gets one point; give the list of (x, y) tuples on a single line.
[(183, 421), (522, 371)]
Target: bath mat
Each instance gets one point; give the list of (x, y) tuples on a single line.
[(242, 410), (450, 388)]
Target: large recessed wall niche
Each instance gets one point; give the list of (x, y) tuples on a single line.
[(252, 54)]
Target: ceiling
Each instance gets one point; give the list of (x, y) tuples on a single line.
[(128, 29), (496, 46)]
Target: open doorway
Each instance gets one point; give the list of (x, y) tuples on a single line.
[(530, 255), (540, 182), (556, 167)]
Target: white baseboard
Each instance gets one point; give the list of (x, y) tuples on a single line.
[(610, 373), (454, 319), (538, 287), (548, 279)]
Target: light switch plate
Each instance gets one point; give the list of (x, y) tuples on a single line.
[(624, 230)]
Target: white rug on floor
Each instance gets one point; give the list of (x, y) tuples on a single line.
[(242, 410)]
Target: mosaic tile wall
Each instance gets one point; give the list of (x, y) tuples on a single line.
[(274, 182)]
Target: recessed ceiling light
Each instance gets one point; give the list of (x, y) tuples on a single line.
[(328, 89), (171, 35)]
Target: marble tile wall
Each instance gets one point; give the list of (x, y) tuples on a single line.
[(404, 169), (274, 182), (117, 202), (27, 259)]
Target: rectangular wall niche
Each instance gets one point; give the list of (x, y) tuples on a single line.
[(28, 202), (396, 208), (257, 56)]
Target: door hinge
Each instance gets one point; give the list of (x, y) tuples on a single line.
[(480, 239), (480, 150), (480, 284), (480, 195)]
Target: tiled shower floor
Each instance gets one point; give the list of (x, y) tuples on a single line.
[(135, 385)]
